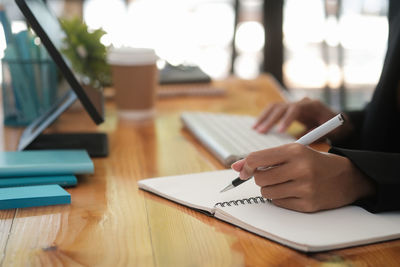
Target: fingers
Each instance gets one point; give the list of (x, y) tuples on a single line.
[(273, 117), (238, 165), (291, 115), (264, 115), (281, 191), (309, 112), (246, 172), (270, 157), (276, 175)]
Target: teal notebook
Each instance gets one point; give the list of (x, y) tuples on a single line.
[(33, 196), (44, 163), (62, 180)]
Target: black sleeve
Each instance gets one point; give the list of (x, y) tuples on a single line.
[(383, 169), (356, 118), (352, 141)]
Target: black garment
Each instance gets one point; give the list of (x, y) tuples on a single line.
[(374, 147)]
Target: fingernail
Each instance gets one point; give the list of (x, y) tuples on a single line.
[(261, 129), (233, 165)]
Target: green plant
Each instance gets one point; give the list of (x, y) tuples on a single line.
[(86, 53)]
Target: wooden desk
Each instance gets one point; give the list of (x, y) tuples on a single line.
[(112, 223)]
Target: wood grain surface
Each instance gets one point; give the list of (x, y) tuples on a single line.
[(112, 223)]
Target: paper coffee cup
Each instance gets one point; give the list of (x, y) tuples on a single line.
[(135, 78)]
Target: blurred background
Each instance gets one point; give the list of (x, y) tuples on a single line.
[(332, 49)]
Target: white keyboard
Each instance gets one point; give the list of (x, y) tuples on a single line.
[(230, 137)]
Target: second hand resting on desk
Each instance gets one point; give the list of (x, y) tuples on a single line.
[(307, 139)]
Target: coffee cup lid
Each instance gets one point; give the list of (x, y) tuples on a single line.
[(131, 56)]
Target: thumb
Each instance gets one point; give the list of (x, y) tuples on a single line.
[(238, 165)]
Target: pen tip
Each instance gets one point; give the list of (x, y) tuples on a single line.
[(229, 187)]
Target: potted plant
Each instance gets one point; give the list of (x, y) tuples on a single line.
[(86, 53)]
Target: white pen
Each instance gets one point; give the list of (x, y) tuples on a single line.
[(306, 139)]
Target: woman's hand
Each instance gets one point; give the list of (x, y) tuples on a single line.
[(304, 179), (311, 113)]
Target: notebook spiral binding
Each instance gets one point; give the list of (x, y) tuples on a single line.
[(244, 201)]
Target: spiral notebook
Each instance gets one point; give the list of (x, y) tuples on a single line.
[(245, 208)]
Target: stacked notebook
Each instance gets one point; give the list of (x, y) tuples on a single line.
[(185, 80), (245, 208), (195, 89), (171, 74), (36, 178)]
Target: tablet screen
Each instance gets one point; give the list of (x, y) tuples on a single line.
[(48, 28)]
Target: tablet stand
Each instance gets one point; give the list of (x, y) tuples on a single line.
[(96, 144)]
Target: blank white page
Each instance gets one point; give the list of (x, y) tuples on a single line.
[(343, 227), (200, 190)]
